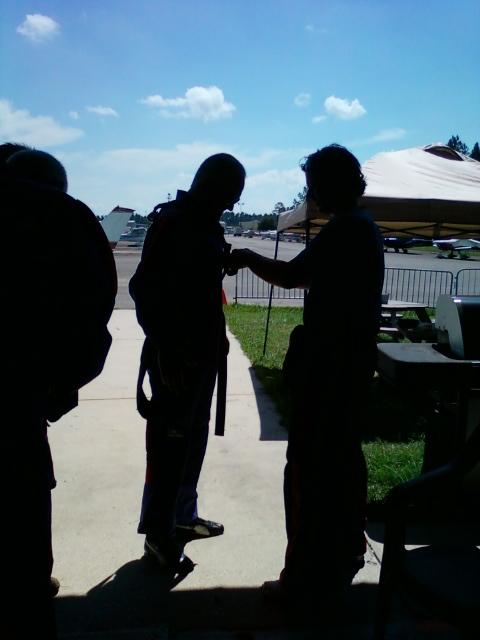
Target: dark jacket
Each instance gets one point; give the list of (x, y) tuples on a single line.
[(60, 285), (178, 283)]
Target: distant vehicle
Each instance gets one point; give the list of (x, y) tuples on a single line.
[(404, 244), (115, 223), (238, 231), (293, 237), (454, 245), (248, 233), (268, 235), (135, 235)]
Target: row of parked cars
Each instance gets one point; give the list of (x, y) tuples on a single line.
[(264, 235)]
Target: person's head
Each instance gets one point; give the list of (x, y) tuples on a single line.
[(38, 166), (6, 151), (219, 182), (334, 179)]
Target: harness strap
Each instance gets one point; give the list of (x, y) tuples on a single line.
[(144, 405)]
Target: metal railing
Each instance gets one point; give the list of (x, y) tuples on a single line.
[(417, 285), (410, 285), (467, 282), (248, 286)]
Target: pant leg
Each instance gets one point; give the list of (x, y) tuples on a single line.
[(325, 489), (187, 498), (169, 435), (26, 500)]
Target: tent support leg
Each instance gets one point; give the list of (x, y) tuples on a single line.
[(270, 301)]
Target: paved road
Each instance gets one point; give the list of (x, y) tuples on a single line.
[(127, 259)]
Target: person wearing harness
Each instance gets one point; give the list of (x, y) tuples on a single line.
[(177, 289)]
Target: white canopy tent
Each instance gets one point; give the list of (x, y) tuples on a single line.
[(430, 192), (426, 192)]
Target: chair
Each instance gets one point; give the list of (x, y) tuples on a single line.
[(444, 578)]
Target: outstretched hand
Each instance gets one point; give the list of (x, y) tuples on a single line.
[(238, 259)]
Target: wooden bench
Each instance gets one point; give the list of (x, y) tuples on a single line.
[(391, 331)]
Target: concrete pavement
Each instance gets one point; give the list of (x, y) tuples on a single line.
[(107, 591)]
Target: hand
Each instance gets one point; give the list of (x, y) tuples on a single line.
[(239, 259)]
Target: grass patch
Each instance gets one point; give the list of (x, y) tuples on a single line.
[(393, 443), (390, 463), (247, 322)]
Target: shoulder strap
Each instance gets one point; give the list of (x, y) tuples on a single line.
[(144, 406)]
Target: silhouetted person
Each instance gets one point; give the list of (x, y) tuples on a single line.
[(329, 367), (6, 151), (177, 291), (38, 167), (59, 285)]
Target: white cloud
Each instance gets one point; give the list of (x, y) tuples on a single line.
[(103, 111), (38, 28), (343, 109), (318, 119), (182, 157), (17, 125), (382, 136), (388, 134), (302, 100), (201, 103), (310, 28), (276, 177), (263, 190), (73, 115), (141, 177)]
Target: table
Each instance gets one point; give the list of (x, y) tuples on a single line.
[(392, 313)]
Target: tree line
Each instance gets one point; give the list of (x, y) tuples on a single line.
[(460, 146)]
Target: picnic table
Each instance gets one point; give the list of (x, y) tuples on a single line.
[(413, 329)]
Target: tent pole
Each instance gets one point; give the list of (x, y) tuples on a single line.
[(270, 299), (307, 242)]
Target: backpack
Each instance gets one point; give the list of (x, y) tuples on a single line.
[(86, 302), (62, 285)]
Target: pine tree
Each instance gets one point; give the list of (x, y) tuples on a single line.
[(456, 144), (475, 152)]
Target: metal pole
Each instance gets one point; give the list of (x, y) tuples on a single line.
[(270, 300), (307, 242)]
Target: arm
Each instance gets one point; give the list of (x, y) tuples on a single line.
[(276, 272), (157, 279)]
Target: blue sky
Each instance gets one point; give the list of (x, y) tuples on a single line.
[(132, 95)]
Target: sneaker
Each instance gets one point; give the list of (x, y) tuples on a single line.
[(54, 586), (176, 564), (201, 528), (164, 552)]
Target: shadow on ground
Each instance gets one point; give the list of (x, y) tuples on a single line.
[(266, 385), (138, 597), (391, 416)]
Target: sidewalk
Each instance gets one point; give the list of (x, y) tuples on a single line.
[(107, 591)]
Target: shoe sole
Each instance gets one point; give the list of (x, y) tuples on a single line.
[(192, 533)]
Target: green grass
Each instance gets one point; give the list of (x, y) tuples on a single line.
[(393, 441), (247, 322), (390, 463)]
